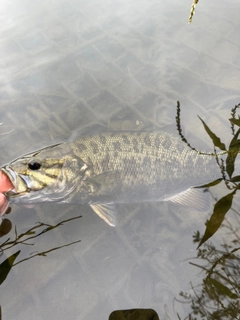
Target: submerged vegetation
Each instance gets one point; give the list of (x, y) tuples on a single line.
[(226, 166), (25, 239), (217, 296)]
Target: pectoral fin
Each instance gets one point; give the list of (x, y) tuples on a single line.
[(106, 211)]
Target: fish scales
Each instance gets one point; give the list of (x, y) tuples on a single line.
[(141, 160)]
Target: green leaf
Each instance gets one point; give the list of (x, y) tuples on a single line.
[(235, 121), (29, 233), (6, 266), (232, 154), (211, 184), (222, 289), (235, 179), (42, 254), (216, 141), (219, 212)]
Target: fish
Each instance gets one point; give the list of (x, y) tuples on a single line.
[(109, 168)]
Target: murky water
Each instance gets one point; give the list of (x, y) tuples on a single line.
[(73, 67)]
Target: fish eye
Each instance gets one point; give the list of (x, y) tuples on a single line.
[(34, 165)]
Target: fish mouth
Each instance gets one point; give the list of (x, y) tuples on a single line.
[(19, 182)]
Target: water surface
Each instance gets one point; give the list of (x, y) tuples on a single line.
[(86, 66)]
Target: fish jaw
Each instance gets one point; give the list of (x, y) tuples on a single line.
[(24, 189), (19, 182)]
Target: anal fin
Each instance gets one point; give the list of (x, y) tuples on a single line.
[(106, 211), (195, 198)]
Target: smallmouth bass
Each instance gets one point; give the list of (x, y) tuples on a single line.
[(109, 168)]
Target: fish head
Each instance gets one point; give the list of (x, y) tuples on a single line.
[(45, 175)]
